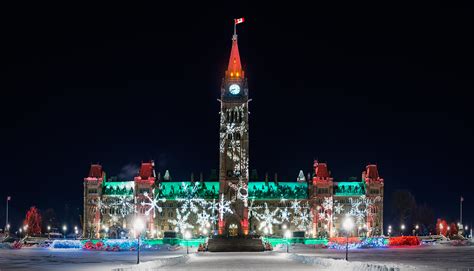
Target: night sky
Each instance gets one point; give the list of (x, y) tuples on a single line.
[(384, 85)]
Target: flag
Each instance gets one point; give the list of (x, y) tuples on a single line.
[(239, 20), (9, 198)]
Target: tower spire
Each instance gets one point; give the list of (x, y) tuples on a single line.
[(234, 69)]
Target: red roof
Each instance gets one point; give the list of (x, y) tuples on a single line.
[(235, 67), (146, 170), (95, 171), (321, 170), (372, 172)]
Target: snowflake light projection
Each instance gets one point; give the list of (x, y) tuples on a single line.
[(360, 208), (242, 191), (285, 215), (268, 218), (303, 220), (253, 210), (152, 204), (191, 202), (124, 205), (295, 205), (224, 207), (203, 219), (338, 208), (213, 207), (181, 221), (283, 200), (228, 131)]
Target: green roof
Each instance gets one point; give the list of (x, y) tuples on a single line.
[(174, 190), (349, 188), (119, 188), (270, 190)]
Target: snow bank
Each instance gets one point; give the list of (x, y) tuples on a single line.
[(154, 265), (332, 264)]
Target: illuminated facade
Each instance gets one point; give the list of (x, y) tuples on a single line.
[(231, 204)]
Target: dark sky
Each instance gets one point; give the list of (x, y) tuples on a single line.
[(117, 85)]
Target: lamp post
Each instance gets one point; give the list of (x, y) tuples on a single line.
[(20, 230), (287, 236), (64, 230), (49, 231), (402, 227), (389, 229), (138, 227), (348, 224), (187, 236)]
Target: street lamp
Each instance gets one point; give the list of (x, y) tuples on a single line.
[(138, 227), (49, 231), (187, 236), (20, 230), (402, 227), (348, 224), (287, 236), (64, 230)]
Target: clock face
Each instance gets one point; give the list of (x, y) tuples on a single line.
[(234, 89)]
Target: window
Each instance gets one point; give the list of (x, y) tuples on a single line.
[(92, 191)]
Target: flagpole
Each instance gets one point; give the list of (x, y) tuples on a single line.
[(6, 223), (460, 210)]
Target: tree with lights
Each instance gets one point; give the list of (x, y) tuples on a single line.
[(32, 221)]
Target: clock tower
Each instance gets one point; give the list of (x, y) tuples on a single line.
[(234, 142)]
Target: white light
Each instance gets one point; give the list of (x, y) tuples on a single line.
[(416, 227), (389, 226), (449, 228), (25, 227), (389, 230), (20, 230), (8, 226), (138, 225), (75, 228), (208, 225), (76, 231), (204, 231), (287, 234), (107, 229), (49, 228), (64, 228), (466, 228), (265, 230), (403, 226), (440, 226), (284, 226), (348, 224), (187, 235)]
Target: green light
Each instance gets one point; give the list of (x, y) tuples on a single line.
[(349, 188), (288, 190), (119, 188), (173, 190)]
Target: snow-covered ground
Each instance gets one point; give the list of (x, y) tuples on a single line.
[(75, 259), (433, 257), (437, 257)]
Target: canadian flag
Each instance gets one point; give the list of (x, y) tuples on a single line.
[(239, 20)]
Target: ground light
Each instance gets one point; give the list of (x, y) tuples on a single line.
[(348, 224), (138, 227), (287, 236), (64, 230), (187, 236)]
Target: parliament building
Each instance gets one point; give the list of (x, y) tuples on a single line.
[(231, 203)]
